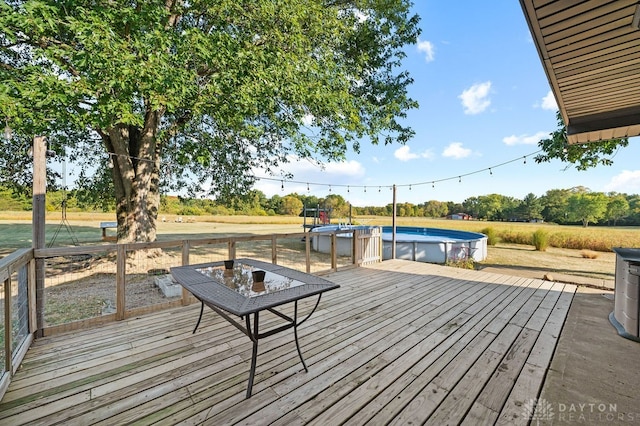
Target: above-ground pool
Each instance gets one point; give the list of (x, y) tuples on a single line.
[(432, 245)]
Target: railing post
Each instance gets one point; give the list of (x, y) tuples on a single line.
[(186, 247), (121, 271), (356, 252), (334, 251), (38, 222), (232, 248), (8, 332), (307, 245), (274, 249), (31, 294)]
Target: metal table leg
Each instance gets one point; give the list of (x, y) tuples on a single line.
[(253, 332), (295, 334), (199, 318), (254, 353)]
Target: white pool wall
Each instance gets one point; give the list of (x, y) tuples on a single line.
[(431, 245)]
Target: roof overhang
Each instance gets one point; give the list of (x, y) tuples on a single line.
[(590, 51)]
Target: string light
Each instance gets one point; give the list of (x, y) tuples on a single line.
[(410, 185)]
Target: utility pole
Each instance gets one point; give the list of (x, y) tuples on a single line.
[(393, 225)]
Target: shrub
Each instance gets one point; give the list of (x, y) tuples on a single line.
[(492, 236), (191, 211), (468, 263), (589, 254), (540, 240), (515, 237)]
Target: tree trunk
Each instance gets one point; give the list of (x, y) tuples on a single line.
[(135, 155)]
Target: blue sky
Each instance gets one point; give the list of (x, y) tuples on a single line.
[(484, 100)]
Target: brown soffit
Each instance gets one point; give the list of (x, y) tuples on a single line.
[(590, 51)]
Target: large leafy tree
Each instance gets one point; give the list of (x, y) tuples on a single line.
[(617, 208), (433, 208), (587, 207), (554, 203), (582, 156), (531, 207), (198, 94)]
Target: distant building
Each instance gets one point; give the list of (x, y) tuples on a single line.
[(459, 216)]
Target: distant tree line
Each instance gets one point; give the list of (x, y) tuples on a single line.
[(576, 205)]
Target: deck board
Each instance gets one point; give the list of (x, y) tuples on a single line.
[(399, 342)]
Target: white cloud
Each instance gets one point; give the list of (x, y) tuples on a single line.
[(345, 168), (476, 98), (628, 181), (549, 102), (525, 139), (427, 48), (455, 150), (404, 154)]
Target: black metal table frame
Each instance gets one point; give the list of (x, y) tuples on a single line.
[(253, 330), (254, 333)]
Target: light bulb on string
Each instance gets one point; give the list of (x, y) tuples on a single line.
[(348, 189), (308, 187), (409, 187), (329, 188), (365, 189), (459, 179), (379, 188), (525, 159), (490, 172), (433, 185), (282, 185)]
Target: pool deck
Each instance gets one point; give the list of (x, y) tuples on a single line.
[(594, 376), (400, 342)]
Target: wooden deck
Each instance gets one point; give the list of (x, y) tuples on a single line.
[(399, 343)]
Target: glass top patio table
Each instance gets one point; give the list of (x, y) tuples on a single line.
[(233, 290)]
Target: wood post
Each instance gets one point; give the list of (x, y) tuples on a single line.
[(186, 246), (38, 221), (232, 249), (274, 250), (307, 250), (8, 331), (121, 276), (334, 252)]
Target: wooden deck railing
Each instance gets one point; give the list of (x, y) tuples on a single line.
[(17, 273), (24, 313)]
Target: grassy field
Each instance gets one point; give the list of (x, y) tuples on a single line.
[(514, 250)]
